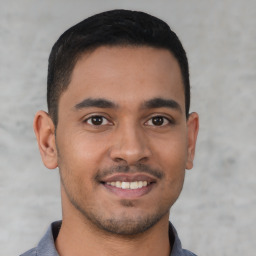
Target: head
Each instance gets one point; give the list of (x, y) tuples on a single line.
[(118, 126), (112, 28)]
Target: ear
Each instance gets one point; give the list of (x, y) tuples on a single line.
[(45, 134), (192, 129)]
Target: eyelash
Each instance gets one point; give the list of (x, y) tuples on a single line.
[(89, 120), (166, 121)]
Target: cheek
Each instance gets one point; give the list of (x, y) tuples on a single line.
[(80, 153), (171, 152), (171, 155)]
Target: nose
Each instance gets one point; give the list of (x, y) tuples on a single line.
[(130, 146)]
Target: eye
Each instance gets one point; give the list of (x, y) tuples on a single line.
[(97, 120), (158, 121)]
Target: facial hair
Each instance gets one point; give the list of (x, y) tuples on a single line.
[(123, 225)]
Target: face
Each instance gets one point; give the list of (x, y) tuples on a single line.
[(123, 140)]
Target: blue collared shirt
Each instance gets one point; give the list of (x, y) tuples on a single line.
[(46, 246)]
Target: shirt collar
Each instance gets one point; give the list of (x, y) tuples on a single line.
[(46, 246)]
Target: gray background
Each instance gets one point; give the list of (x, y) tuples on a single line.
[(216, 213)]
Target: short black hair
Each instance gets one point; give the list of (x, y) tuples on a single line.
[(111, 28)]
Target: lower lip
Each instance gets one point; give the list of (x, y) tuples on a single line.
[(129, 193)]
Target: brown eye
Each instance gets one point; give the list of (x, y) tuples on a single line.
[(157, 120), (97, 120)]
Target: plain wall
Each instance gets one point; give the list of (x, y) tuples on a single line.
[(216, 212)]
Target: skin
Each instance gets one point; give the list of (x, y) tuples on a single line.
[(145, 140)]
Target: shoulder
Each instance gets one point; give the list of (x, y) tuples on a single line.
[(46, 245), (188, 253), (175, 242), (31, 252)]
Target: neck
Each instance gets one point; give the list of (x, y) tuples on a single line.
[(80, 238)]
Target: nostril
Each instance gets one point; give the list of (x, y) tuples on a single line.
[(120, 160)]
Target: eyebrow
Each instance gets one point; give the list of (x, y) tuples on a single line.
[(162, 103), (98, 103), (152, 103)]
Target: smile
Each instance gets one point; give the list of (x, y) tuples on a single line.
[(128, 185)]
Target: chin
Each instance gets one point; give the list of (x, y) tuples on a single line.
[(125, 225)]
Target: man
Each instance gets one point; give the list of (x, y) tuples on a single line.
[(120, 132)]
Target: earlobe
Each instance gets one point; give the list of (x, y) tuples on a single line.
[(45, 134), (192, 129)]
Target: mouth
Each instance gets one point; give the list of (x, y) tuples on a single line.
[(129, 186)]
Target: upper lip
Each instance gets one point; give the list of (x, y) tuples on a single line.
[(129, 178)]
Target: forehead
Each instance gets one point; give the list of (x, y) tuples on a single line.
[(126, 74)]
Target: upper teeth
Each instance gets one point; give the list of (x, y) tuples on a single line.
[(128, 185)]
